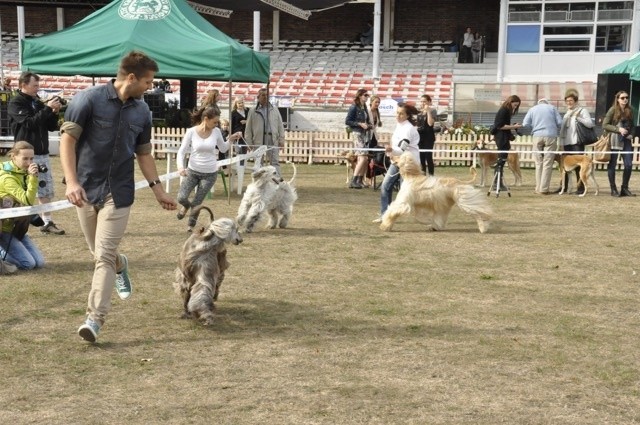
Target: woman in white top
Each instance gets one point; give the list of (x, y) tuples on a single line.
[(201, 142), (569, 133), (405, 138)]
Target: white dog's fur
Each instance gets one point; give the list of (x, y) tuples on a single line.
[(267, 193), (430, 199), (202, 265)]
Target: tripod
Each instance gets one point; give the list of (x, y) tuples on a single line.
[(498, 185)]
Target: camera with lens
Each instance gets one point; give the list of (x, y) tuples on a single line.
[(404, 144), (42, 168), (60, 99)]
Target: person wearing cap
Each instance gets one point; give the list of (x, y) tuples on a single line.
[(543, 120)]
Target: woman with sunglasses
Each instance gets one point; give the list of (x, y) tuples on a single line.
[(358, 121), (619, 122)]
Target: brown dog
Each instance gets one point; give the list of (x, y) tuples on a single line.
[(351, 161), (489, 158), (571, 162)]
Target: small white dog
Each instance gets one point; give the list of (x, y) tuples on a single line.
[(202, 265), (269, 193)]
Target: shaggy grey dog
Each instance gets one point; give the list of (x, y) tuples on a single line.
[(202, 265), (267, 193)]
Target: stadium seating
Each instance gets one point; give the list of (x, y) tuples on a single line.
[(328, 73)]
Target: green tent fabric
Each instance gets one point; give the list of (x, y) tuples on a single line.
[(631, 66), (183, 43)]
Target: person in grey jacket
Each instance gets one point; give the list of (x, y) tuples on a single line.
[(265, 127)]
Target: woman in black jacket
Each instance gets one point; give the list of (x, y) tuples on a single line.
[(503, 136)]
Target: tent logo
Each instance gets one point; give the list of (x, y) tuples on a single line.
[(145, 10)]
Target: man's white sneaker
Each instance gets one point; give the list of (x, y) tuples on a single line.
[(89, 330)]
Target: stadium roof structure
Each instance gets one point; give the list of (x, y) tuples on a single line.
[(239, 5), (183, 43)]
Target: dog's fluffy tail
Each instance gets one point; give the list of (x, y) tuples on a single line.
[(295, 173), (473, 202), (474, 174)]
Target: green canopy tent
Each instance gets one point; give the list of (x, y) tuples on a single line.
[(184, 44), (630, 66)]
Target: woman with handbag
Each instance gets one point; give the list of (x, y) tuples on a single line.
[(358, 121), (619, 123), (569, 139), (18, 187)]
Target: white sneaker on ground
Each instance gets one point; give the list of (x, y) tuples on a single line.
[(89, 330)]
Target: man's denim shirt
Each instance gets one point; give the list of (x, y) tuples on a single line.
[(108, 133)]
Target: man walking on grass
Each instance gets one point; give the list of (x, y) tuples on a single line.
[(105, 128)]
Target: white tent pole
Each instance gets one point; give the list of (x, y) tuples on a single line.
[(230, 186), (20, 10), (1, 62), (59, 18), (377, 11), (256, 31)]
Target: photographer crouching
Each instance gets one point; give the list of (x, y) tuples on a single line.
[(31, 120), (18, 187)]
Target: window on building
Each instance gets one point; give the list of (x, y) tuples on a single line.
[(613, 38), (523, 38)]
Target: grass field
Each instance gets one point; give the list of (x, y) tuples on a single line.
[(334, 322)]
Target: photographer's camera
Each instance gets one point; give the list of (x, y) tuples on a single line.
[(42, 168)]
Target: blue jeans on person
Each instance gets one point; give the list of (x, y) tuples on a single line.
[(24, 253), (386, 189)]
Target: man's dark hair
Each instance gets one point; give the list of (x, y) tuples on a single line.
[(136, 63), (25, 78)]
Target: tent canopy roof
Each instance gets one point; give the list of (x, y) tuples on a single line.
[(630, 66), (183, 43)]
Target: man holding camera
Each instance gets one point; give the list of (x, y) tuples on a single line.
[(31, 120)]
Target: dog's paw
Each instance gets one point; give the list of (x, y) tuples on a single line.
[(185, 315)]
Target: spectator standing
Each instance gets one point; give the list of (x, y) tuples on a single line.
[(6, 84), (569, 133), (467, 41), (239, 114), (265, 127), (405, 138), (165, 85), (201, 142), (211, 99), (366, 36), (503, 126), (32, 120), (359, 122), (426, 122), (544, 121), (619, 121), (476, 47), (18, 188), (109, 121)]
